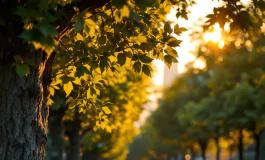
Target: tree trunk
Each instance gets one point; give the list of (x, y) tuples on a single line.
[(258, 137), (24, 111), (55, 147), (203, 144), (257, 146), (240, 145), (74, 139), (23, 100), (192, 152), (88, 155), (218, 148)]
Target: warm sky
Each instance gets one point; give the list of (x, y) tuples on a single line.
[(196, 17), (197, 13)]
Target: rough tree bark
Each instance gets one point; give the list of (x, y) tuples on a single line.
[(23, 101)]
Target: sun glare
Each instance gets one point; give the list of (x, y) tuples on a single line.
[(199, 63), (221, 44), (214, 35)]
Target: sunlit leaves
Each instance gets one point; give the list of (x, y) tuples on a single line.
[(168, 60), (171, 51), (146, 70), (124, 11), (106, 110), (168, 28), (173, 42), (178, 30), (137, 67), (68, 87), (121, 36), (146, 59), (121, 58)]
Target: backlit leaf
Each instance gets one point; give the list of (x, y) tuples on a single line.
[(147, 70), (137, 67), (121, 59), (106, 110), (168, 28), (145, 59), (68, 87)]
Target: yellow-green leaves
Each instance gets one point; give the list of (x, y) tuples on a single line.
[(171, 51), (124, 11), (137, 66), (121, 58), (145, 59), (147, 70), (106, 110), (68, 87), (173, 42), (168, 28), (178, 30)]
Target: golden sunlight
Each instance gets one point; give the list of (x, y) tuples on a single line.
[(214, 35), (199, 63), (221, 44)]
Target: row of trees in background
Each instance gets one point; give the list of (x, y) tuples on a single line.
[(98, 132), (223, 101)]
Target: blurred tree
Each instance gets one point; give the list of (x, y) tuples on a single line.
[(127, 92)]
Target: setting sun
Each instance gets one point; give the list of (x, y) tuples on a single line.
[(214, 35)]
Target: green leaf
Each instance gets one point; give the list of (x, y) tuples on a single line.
[(31, 35), (168, 60), (137, 67), (167, 28), (22, 69), (171, 51), (147, 70), (68, 87), (121, 59), (47, 29), (178, 30), (173, 42), (145, 59), (79, 25), (106, 110)]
